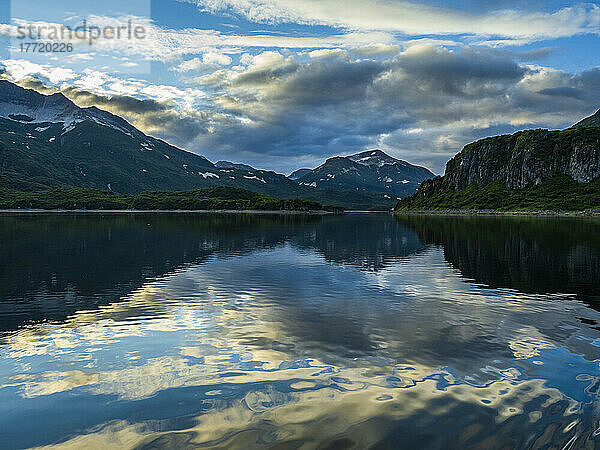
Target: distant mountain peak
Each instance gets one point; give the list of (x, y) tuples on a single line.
[(27, 105)]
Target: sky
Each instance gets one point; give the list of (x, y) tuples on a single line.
[(285, 84)]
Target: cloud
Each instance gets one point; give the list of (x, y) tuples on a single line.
[(210, 61), (19, 69), (414, 19), (216, 58), (337, 103), (535, 54), (154, 117), (166, 44), (282, 110), (99, 82), (563, 91)]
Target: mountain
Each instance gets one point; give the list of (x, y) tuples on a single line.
[(29, 106), (298, 174), (533, 168), (371, 171), (230, 165), (46, 141)]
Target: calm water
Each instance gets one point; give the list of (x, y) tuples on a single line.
[(152, 331)]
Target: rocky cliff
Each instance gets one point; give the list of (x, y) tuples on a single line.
[(524, 159)]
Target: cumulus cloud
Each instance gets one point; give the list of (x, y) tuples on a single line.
[(99, 82), (216, 58), (210, 61)]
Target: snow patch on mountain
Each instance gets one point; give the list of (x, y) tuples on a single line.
[(373, 158), (255, 178), (208, 175)]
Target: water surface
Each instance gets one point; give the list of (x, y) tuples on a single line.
[(237, 331)]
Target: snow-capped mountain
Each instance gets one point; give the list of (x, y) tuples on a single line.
[(28, 106), (372, 171), (375, 158)]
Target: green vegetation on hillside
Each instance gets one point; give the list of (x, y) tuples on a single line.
[(219, 198), (95, 157), (560, 193)]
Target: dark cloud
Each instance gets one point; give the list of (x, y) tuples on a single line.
[(38, 85), (464, 73), (123, 103), (161, 119), (563, 91), (589, 80), (265, 75), (537, 54)]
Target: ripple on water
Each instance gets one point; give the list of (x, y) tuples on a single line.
[(327, 333)]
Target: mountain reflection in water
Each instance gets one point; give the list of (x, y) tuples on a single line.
[(298, 331)]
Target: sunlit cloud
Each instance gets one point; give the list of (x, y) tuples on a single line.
[(413, 18)]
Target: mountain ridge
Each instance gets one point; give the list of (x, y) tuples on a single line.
[(230, 165), (47, 141), (299, 173)]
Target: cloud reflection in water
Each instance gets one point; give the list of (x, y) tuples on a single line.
[(279, 342)]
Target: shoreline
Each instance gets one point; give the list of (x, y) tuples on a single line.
[(491, 212), (165, 211)]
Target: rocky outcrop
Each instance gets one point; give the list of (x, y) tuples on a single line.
[(524, 159)]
